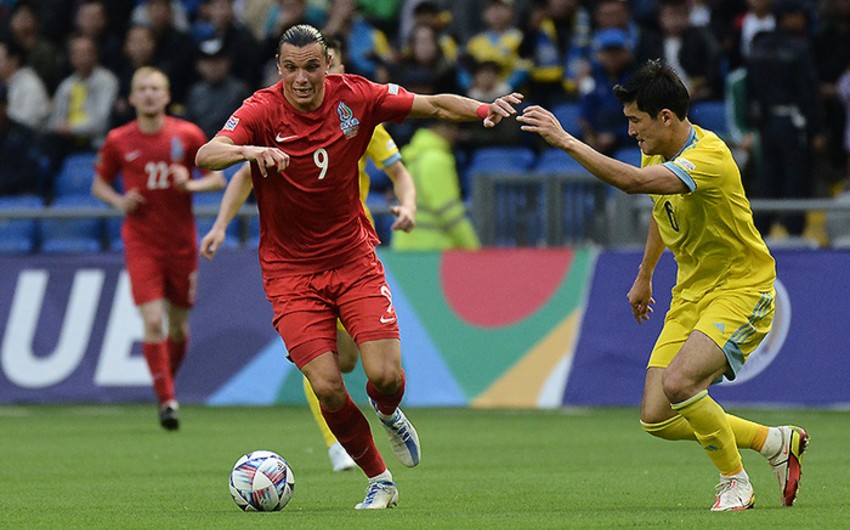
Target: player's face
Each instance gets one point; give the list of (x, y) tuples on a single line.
[(303, 72), (149, 94), (649, 131)]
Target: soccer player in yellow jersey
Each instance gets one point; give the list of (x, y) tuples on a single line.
[(723, 300), (383, 151)]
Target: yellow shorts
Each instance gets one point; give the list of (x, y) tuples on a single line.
[(736, 321)]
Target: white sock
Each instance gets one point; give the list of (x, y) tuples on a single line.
[(386, 476), (742, 476), (773, 443)]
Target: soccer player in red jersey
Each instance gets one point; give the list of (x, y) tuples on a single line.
[(155, 155), (303, 137)]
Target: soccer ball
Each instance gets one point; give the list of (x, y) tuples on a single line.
[(261, 481)]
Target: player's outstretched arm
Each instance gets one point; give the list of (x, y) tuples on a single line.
[(651, 179), (451, 107), (234, 197), (220, 153), (405, 191)]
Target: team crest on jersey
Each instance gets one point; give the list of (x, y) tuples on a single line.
[(178, 150), (347, 121)]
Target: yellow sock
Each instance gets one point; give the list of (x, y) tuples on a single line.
[(748, 435), (316, 410), (712, 431)]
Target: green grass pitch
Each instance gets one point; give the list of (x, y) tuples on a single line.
[(114, 467)]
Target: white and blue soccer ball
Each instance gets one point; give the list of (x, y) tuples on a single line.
[(261, 481)]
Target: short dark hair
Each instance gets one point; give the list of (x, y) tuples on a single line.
[(655, 86), (303, 35)]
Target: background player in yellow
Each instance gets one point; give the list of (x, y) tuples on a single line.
[(384, 153), (722, 303)]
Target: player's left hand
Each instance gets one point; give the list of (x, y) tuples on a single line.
[(538, 120), (502, 108), (405, 218), (180, 175)]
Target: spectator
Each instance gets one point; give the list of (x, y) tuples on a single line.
[(92, 20), (427, 13), (786, 109), (19, 170), (236, 40), (616, 14), (691, 51), (556, 40), (368, 49), (832, 52), (40, 53), (214, 98), (28, 100), (84, 100), (423, 67), (175, 50), (487, 82), (498, 43), (441, 221), (758, 18), (139, 51), (602, 124)]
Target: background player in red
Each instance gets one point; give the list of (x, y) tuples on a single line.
[(303, 137), (155, 155)]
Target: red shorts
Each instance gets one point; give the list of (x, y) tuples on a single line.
[(162, 277), (307, 306)]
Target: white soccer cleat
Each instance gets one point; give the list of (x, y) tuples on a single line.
[(787, 463), (340, 459), (403, 437), (379, 495), (734, 493)]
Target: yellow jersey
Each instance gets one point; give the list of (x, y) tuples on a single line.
[(710, 229), (383, 151)]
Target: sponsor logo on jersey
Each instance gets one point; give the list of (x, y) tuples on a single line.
[(132, 155), (281, 139), (685, 164), (347, 121), (231, 124)]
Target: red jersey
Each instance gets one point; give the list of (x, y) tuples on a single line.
[(164, 223), (311, 217)]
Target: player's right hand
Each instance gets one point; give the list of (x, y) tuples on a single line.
[(266, 157), (641, 300), (211, 242), (131, 200)]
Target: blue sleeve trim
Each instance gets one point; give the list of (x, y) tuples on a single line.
[(682, 174), (391, 159)]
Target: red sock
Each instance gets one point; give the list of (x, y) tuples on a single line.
[(176, 354), (387, 403), (156, 354), (350, 427)]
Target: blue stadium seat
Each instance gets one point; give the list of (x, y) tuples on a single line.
[(710, 115), (556, 161), (629, 155), (568, 114), (113, 233), (74, 235), (19, 236), (501, 160), (75, 176)]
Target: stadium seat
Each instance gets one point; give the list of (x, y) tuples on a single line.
[(73, 235), (501, 160), (710, 115), (568, 114), (19, 236), (556, 161), (629, 155), (75, 176)]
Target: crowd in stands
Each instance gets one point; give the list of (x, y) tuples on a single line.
[(779, 69)]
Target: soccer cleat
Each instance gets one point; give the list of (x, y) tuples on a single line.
[(403, 437), (168, 416), (787, 463), (734, 493), (340, 459), (379, 495)]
